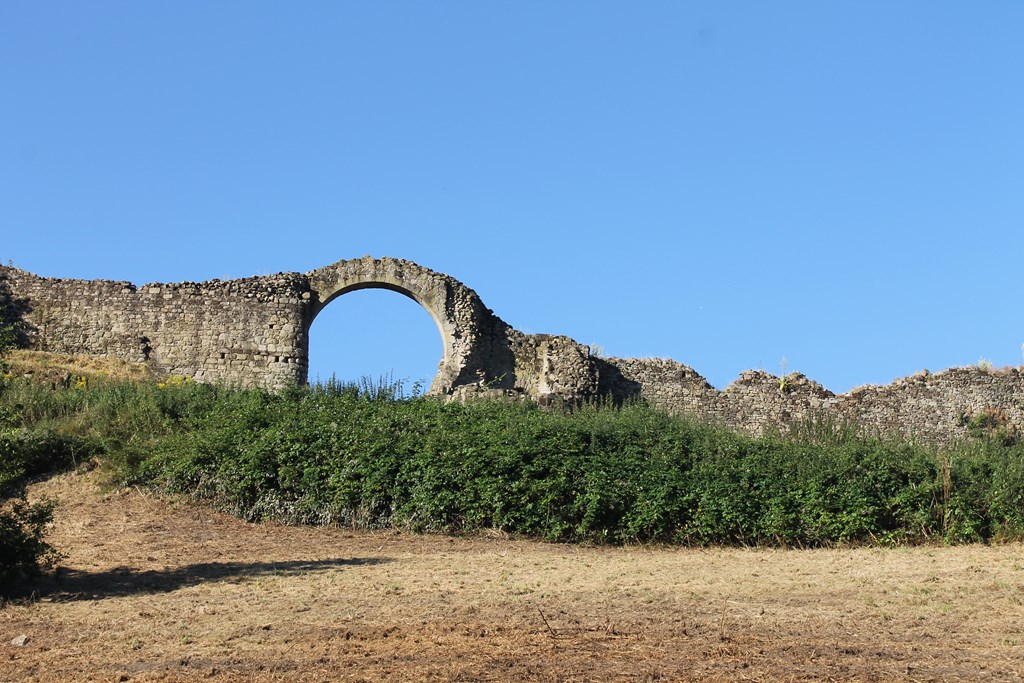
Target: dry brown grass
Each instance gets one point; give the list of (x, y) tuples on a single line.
[(58, 368), (155, 591)]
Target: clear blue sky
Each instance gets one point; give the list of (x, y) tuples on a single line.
[(840, 184)]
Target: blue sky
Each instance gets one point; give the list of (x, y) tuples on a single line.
[(728, 184)]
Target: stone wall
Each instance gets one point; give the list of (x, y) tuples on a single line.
[(242, 332), (254, 332)]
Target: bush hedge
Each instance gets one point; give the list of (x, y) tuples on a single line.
[(335, 455)]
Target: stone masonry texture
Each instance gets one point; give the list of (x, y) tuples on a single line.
[(253, 332)]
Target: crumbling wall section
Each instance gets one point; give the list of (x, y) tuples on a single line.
[(939, 408), (759, 401), (659, 381), (552, 367)]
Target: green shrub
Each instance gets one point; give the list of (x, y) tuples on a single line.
[(599, 475), (341, 454), (23, 552), (24, 454)]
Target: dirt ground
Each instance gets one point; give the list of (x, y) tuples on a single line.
[(157, 591)]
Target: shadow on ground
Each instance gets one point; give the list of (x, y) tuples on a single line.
[(72, 584)]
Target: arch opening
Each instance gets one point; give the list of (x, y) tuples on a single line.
[(466, 326), (364, 335)]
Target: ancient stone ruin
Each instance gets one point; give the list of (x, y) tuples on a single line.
[(254, 332)]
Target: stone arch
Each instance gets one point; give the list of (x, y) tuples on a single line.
[(466, 326)]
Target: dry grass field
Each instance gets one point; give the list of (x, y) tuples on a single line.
[(157, 591), (57, 368)]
